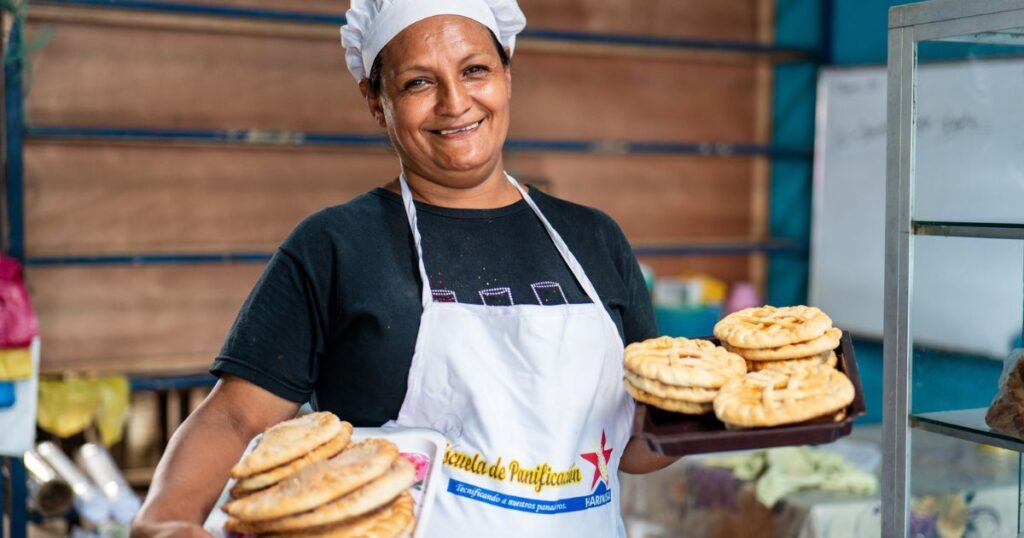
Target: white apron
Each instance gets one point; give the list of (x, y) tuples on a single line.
[(531, 400)]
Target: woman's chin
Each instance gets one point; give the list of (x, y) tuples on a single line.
[(465, 164)]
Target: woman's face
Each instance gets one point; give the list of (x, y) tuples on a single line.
[(445, 100)]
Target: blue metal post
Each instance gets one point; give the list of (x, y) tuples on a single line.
[(14, 113), (13, 179), (3, 488), (19, 498)]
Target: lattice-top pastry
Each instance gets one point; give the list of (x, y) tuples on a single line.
[(822, 344), (770, 327), (828, 358), (684, 362), (773, 397)]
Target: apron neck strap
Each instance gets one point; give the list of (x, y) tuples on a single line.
[(410, 212), (563, 249)]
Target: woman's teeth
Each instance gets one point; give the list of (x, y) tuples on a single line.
[(469, 127)]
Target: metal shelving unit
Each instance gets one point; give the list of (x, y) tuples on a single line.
[(988, 22), (986, 230), (966, 424)]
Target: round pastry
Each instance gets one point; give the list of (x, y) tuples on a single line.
[(395, 519), (318, 483), (256, 482), (772, 397), (824, 343), (676, 406), (290, 440), (381, 491), (672, 392), (770, 327), (683, 362), (827, 359)]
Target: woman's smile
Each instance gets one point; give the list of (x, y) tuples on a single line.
[(455, 133)]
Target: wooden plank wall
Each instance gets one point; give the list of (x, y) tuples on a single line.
[(91, 198)]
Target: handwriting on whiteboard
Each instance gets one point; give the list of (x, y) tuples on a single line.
[(945, 126)]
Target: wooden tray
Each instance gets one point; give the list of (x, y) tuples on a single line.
[(676, 434)]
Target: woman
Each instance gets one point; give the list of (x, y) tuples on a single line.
[(453, 298)]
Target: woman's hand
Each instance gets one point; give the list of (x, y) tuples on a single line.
[(169, 529), (638, 458)]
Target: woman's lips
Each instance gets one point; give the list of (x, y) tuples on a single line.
[(458, 132)]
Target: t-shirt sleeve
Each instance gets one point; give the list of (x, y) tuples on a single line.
[(278, 335), (638, 321)]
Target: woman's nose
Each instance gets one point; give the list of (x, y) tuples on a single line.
[(453, 98)]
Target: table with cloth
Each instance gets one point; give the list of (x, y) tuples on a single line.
[(959, 489)]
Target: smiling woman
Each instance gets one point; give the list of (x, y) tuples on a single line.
[(452, 298), (444, 93)]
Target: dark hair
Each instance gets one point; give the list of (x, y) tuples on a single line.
[(375, 79)]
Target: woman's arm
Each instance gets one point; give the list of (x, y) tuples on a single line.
[(638, 458), (194, 469)]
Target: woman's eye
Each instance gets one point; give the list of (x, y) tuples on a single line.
[(415, 83), (476, 69)]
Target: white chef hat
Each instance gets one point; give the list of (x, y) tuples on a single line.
[(371, 24)]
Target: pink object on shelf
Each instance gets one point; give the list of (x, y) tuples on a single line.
[(18, 323), (743, 295)]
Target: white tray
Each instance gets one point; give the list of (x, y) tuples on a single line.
[(416, 440), (424, 441)]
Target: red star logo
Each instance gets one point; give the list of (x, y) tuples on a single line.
[(592, 457)]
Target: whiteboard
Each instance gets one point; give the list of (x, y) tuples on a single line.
[(968, 294)]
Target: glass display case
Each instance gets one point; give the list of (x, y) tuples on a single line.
[(954, 245)]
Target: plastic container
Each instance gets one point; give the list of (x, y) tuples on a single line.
[(90, 504), (678, 434), (743, 295), (104, 473), (48, 493), (6, 394)]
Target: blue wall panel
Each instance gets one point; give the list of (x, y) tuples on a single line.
[(858, 35), (942, 381), (799, 23)]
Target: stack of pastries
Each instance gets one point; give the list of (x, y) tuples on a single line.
[(679, 374), (788, 338), (774, 366), (306, 478)]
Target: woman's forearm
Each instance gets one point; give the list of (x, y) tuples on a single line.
[(195, 466)]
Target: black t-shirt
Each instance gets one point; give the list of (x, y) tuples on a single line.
[(333, 318)]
